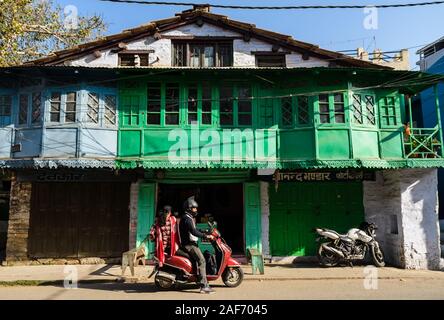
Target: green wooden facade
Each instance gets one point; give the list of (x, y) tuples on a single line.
[(310, 119)]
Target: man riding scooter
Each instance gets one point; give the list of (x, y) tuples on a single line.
[(189, 236)]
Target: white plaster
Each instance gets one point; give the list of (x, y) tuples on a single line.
[(242, 50), (411, 195), (265, 217)]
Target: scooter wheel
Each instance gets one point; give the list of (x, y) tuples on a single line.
[(163, 284), (232, 277)]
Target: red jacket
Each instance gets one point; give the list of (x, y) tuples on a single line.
[(157, 236)]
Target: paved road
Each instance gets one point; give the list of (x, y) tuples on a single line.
[(291, 289)]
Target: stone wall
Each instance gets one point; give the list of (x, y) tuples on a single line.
[(242, 50), (18, 226), (404, 205), (134, 199)]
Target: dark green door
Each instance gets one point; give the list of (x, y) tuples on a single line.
[(295, 209)]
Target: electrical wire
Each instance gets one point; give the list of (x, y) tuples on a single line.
[(306, 7)]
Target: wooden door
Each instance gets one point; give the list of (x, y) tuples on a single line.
[(79, 220)]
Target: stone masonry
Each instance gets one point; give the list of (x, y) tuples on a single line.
[(404, 205), (18, 227)]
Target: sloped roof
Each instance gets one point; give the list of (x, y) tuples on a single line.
[(192, 16)]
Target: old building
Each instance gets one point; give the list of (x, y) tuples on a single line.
[(272, 135)]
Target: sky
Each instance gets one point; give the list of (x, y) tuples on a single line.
[(334, 29)]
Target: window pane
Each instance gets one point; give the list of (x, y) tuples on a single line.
[(36, 107), (357, 109), (192, 117), (110, 109), (23, 109), (55, 107), (226, 99), (225, 55), (323, 108), (153, 118), (195, 56), (209, 56), (245, 119), (206, 99), (226, 119), (70, 107), (325, 118), (5, 105), (370, 108), (206, 118), (192, 99), (154, 97), (179, 58), (244, 104), (93, 107), (303, 113), (339, 118), (172, 118), (270, 60), (172, 97), (287, 111)]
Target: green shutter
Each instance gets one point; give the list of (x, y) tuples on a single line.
[(253, 225), (145, 214)]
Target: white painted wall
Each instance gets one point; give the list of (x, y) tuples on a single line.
[(411, 196), (161, 57)]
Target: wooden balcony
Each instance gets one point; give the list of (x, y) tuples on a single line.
[(423, 143)]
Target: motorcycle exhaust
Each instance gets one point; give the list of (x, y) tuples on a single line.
[(335, 251), (166, 276)]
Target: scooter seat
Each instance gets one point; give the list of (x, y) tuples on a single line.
[(182, 253)]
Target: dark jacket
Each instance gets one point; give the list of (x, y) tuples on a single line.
[(187, 227)]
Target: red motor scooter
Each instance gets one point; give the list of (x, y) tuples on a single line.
[(178, 269)]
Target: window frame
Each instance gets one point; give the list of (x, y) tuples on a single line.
[(331, 109), (101, 93), (271, 55), (6, 120), (396, 110), (199, 85), (217, 46), (235, 105), (364, 110)]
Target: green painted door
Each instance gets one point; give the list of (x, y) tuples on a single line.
[(295, 209), (145, 214), (253, 224)]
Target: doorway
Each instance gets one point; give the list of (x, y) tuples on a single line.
[(224, 202)]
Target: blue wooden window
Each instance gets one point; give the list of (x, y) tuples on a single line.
[(5, 109), (55, 107), (29, 109), (101, 108)]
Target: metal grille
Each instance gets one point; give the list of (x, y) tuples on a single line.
[(110, 109), (370, 108), (179, 56), (287, 111), (357, 109), (303, 112), (36, 107), (93, 107)]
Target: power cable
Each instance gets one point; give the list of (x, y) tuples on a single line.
[(222, 6)]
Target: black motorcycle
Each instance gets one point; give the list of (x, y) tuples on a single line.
[(353, 246)]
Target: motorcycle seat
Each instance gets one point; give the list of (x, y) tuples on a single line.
[(345, 238), (180, 252)]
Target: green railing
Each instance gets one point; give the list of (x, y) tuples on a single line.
[(423, 143)]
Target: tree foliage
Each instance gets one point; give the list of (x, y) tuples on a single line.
[(30, 29)]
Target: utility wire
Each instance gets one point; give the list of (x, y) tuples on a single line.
[(222, 6)]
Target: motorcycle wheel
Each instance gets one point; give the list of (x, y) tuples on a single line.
[(327, 259), (162, 284), (232, 277), (378, 256)]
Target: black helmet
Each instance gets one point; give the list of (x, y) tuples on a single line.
[(189, 204)]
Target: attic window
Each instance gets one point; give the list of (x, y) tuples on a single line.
[(203, 54), (270, 60), (128, 59)]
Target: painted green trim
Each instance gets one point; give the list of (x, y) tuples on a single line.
[(438, 112), (146, 207), (253, 221), (290, 164)]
